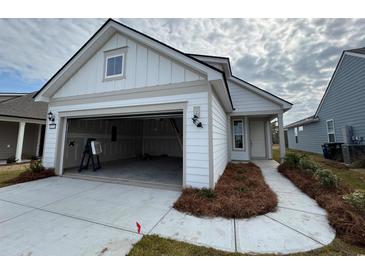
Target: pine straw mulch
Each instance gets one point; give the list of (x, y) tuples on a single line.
[(29, 175), (241, 192), (348, 222)]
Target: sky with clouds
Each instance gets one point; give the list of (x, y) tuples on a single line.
[(292, 58)]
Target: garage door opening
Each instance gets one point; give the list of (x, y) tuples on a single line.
[(144, 149)]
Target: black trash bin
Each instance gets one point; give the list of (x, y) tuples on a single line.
[(332, 151)]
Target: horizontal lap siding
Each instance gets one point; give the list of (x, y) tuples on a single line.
[(310, 139), (197, 152), (219, 139), (344, 103), (245, 100)]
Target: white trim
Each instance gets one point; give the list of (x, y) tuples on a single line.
[(106, 76), (64, 116), (26, 120), (38, 140), (20, 142), (234, 134), (334, 131)]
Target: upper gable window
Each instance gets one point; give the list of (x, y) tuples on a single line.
[(114, 64)]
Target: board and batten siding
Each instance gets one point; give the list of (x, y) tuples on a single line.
[(344, 103), (144, 67), (245, 100), (219, 138), (197, 147)]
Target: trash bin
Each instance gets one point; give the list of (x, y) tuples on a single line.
[(332, 151)]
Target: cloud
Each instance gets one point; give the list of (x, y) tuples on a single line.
[(292, 58)]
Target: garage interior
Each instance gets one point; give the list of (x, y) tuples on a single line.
[(143, 149)]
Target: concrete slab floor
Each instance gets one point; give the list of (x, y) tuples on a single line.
[(162, 170)]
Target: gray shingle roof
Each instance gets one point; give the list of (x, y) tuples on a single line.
[(359, 50), (24, 107), (305, 121)]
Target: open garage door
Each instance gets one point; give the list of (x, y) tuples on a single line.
[(141, 149)]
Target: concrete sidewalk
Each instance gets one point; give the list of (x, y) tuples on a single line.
[(63, 216), (298, 225)]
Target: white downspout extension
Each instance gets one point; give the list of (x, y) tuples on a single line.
[(281, 136), (20, 141)]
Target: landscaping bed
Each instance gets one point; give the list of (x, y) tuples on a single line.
[(344, 205), (241, 192), (34, 172)]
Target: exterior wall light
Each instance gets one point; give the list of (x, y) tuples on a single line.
[(51, 117), (196, 121)]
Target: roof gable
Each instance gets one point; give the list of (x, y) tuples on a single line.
[(143, 67), (246, 101), (101, 37), (224, 62), (353, 52)]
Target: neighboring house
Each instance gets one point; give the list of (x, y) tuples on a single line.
[(4, 96), (22, 126), (343, 104), (142, 99)]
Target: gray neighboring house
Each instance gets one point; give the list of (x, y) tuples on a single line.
[(343, 104), (22, 126)]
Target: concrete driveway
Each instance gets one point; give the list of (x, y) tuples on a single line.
[(64, 216)]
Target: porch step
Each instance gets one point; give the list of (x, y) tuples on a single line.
[(149, 184)]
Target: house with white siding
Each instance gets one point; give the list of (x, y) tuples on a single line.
[(161, 116), (339, 117)]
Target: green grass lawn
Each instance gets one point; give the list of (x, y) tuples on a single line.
[(9, 172), (152, 245)]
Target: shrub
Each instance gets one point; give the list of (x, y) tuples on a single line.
[(207, 193), (358, 164), (356, 199), (36, 166), (308, 165), (293, 159), (11, 160), (326, 178)]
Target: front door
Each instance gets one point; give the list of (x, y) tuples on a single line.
[(258, 139)]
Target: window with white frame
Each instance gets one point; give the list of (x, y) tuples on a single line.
[(238, 135), (296, 134), (301, 128), (114, 64), (331, 131)]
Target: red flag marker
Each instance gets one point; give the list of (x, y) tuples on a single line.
[(138, 228)]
